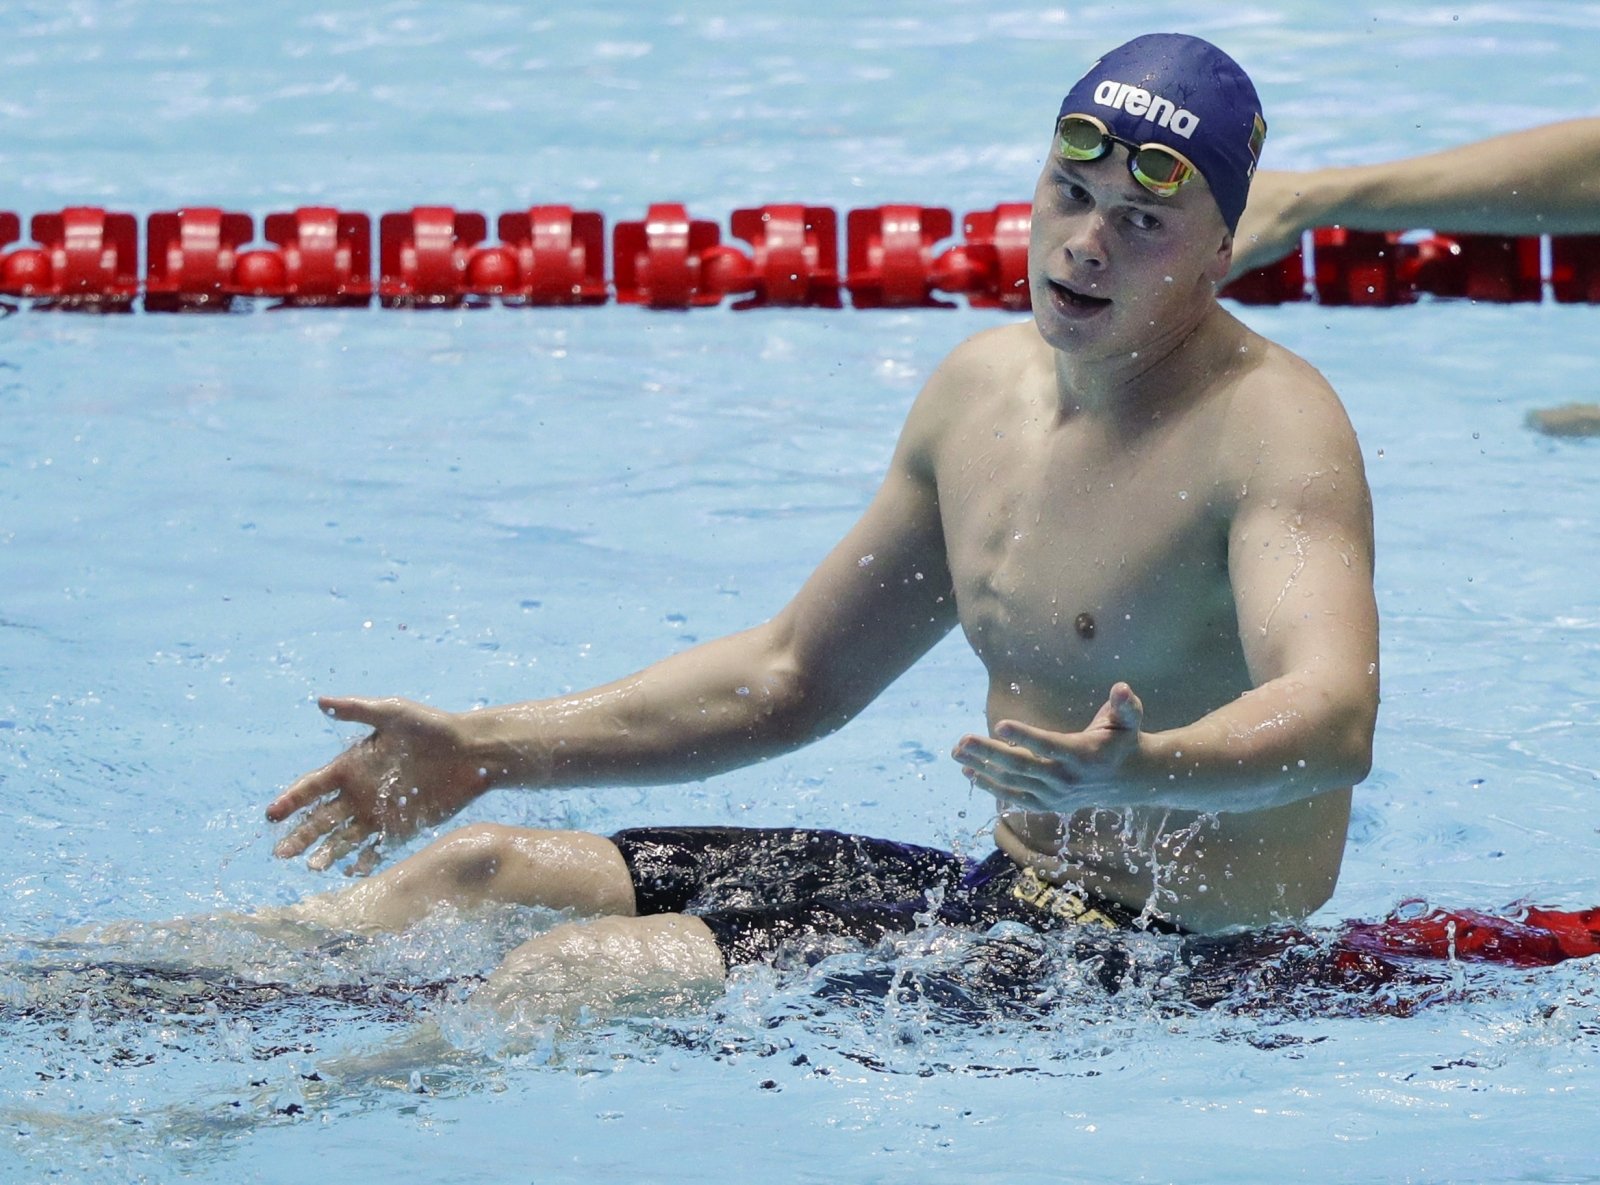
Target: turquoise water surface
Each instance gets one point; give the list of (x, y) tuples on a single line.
[(205, 521)]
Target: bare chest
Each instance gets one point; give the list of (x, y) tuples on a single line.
[(1073, 569)]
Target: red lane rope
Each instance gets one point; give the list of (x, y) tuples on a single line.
[(1535, 937), (201, 257)]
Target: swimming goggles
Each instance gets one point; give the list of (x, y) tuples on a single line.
[(1161, 170)]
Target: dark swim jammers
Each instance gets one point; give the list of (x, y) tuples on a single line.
[(758, 889)]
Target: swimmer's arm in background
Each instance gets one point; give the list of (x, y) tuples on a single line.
[(874, 605), (1545, 180), (1300, 565)]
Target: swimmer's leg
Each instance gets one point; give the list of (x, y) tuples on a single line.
[(607, 967), (575, 973), (475, 866)]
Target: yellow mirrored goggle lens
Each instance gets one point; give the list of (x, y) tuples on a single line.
[(1081, 137), (1161, 170)]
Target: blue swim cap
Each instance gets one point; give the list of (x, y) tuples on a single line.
[(1168, 88)]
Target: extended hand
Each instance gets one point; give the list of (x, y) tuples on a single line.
[(1033, 769), (412, 771)]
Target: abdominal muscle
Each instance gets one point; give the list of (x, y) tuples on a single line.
[(1204, 873)]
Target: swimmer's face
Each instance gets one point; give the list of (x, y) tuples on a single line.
[(1110, 264)]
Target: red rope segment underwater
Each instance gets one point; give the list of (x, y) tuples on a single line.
[(1537, 938), (201, 257)]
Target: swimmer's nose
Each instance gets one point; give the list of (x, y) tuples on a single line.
[(1085, 243)]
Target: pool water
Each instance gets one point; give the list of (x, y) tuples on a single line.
[(205, 521)]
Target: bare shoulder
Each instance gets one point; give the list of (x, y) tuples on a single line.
[(1287, 444), (1281, 412), (977, 375), (992, 359)]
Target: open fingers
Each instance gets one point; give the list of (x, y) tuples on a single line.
[(307, 790), (341, 841), (367, 859), (990, 752), (320, 821), (1011, 789)]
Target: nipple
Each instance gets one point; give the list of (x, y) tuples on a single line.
[(1084, 625)]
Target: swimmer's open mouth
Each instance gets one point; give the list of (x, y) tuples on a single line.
[(1077, 299)]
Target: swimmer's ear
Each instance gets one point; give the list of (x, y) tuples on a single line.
[(1222, 262)]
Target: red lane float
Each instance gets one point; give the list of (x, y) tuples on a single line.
[(322, 256), (793, 260), (1361, 267), (997, 248), (1283, 282), (423, 255), (85, 258), (1575, 268), (559, 253), (190, 256), (890, 259), (788, 255), (660, 261), (892, 262), (1483, 267), (1539, 937)]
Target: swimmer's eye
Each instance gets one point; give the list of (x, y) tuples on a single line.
[(1144, 220), (1072, 191)]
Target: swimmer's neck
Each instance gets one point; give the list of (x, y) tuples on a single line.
[(1142, 382)]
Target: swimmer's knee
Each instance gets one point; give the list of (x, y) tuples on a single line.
[(474, 855), (664, 947), (572, 870)]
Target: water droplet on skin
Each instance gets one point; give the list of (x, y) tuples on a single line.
[(1183, 495), (1016, 689), (865, 560), (741, 691)]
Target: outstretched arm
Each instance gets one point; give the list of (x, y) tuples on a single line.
[(1545, 180), (878, 601)]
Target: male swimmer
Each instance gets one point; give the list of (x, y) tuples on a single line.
[(1131, 491)]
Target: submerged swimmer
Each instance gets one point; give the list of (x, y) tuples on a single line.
[(1131, 491)]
